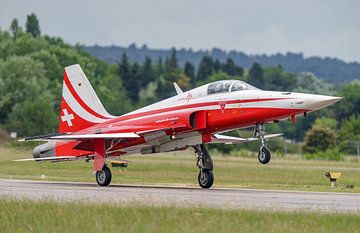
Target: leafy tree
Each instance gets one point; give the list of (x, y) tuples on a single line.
[(6, 45), (32, 25), (173, 62), (34, 116), (217, 66), (189, 70), (319, 139), (147, 95), (256, 76), (31, 73), (172, 73), (183, 81), (277, 80), (147, 73), (15, 28), (160, 67), (232, 69), (349, 135), (125, 73), (20, 78), (135, 83), (350, 104), (205, 69), (25, 44), (309, 83), (51, 64), (216, 77), (112, 92), (325, 122)]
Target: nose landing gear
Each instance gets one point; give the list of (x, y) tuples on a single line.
[(264, 154), (205, 165)]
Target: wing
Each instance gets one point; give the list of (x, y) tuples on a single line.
[(218, 138)]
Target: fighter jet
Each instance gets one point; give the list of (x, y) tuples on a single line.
[(189, 119)]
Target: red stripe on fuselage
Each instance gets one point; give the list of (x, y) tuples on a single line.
[(188, 106), (79, 100)]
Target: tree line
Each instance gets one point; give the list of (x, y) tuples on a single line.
[(331, 70), (31, 74)]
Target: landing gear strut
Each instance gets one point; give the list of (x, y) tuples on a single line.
[(103, 177), (205, 165), (264, 154)]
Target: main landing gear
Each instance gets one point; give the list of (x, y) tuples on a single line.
[(205, 165), (103, 177), (264, 154)]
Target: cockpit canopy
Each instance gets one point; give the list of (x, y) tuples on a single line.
[(228, 86)]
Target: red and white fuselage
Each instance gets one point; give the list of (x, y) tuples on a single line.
[(190, 118)]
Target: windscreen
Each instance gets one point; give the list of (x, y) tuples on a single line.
[(228, 86)]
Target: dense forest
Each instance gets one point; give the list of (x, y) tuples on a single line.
[(331, 70), (31, 73)]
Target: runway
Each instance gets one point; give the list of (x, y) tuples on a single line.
[(181, 196)]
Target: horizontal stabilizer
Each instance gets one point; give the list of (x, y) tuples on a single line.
[(65, 137), (39, 137), (55, 158)]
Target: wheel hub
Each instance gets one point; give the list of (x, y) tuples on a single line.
[(262, 155), (204, 178), (101, 176)]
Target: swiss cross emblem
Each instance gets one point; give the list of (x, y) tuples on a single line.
[(222, 106), (67, 117)]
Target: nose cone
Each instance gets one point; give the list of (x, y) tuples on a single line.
[(315, 102)]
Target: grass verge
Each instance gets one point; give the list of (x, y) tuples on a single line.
[(179, 168), (28, 216)]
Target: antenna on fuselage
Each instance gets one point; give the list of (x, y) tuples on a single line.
[(177, 89)]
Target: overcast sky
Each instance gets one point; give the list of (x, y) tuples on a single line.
[(314, 27)]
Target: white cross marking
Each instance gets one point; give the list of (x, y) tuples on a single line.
[(67, 117)]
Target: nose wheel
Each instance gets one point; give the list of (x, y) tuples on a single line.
[(103, 177), (205, 165), (264, 154)]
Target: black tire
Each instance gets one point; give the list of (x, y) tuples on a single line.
[(206, 178), (264, 155), (103, 177)]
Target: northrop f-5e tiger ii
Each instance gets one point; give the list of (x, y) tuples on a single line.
[(188, 119)]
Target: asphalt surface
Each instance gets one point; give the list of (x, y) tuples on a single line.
[(181, 196)]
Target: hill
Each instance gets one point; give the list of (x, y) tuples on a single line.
[(331, 70)]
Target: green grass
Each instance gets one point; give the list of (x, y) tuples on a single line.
[(180, 169), (28, 216)]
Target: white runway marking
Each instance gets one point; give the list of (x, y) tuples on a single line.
[(181, 196)]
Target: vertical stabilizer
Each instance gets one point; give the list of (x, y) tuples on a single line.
[(80, 106)]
